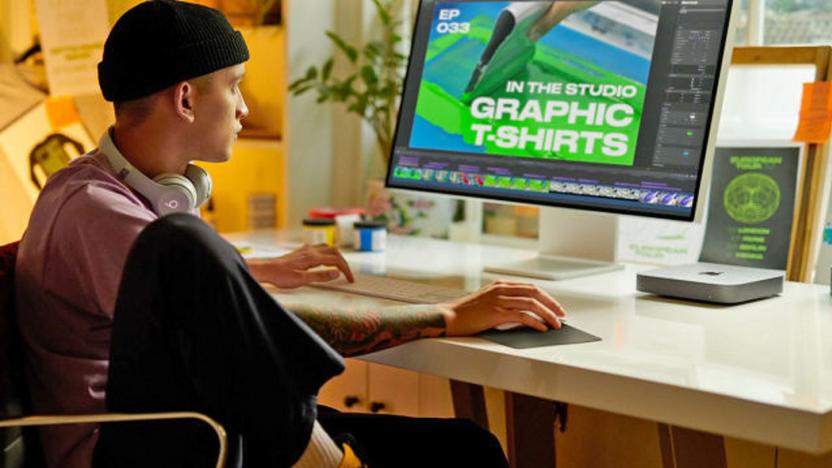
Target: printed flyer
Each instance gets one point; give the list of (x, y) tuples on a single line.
[(751, 207), (545, 80)]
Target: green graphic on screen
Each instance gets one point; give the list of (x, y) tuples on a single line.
[(751, 198), (542, 100)]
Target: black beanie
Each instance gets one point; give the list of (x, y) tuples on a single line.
[(159, 43)]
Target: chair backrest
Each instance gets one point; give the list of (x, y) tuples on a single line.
[(14, 398), (8, 255)]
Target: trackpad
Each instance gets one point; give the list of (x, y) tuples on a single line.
[(524, 337)]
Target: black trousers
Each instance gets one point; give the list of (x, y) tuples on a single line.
[(193, 331)]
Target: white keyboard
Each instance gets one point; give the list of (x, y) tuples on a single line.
[(394, 289)]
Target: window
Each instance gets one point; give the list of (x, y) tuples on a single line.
[(785, 22), (741, 37)]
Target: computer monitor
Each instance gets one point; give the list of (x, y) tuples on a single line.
[(606, 106)]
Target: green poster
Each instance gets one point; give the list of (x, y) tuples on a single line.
[(751, 207)]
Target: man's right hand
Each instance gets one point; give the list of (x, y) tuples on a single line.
[(499, 303)]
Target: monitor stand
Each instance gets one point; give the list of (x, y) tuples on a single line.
[(571, 244)]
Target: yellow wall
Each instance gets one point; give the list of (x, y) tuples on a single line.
[(16, 204), (256, 166), (116, 8), (5, 40), (264, 85)]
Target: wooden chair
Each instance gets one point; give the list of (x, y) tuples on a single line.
[(19, 441)]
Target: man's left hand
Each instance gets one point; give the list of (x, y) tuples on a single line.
[(295, 269)]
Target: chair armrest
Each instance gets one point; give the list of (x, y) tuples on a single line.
[(49, 420)]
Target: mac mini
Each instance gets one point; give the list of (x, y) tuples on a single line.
[(712, 282)]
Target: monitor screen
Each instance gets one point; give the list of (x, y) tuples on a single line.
[(601, 105)]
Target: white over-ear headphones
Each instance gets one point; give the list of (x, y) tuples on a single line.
[(169, 193)]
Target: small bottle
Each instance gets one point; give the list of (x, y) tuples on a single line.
[(319, 231), (370, 236)]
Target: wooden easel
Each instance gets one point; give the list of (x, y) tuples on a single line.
[(809, 199)]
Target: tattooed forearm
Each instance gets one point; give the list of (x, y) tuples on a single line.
[(357, 331)]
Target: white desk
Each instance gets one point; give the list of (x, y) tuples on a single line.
[(760, 371)]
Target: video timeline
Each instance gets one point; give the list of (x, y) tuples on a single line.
[(650, 194)]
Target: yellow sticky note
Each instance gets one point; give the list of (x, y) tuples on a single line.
[(813, 129), (815, 121)]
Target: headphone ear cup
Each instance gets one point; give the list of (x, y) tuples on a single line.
[(201, 181), (181, 184)]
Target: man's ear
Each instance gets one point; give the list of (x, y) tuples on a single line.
[(183, 100)]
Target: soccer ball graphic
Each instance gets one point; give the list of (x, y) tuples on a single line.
[(751, 198)]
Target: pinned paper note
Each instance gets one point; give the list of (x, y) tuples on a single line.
[(815, 113), (72, 34), (43, 141)]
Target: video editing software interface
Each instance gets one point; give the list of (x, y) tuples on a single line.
[(598, 104)]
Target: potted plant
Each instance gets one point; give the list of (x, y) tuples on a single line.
[(371, 89)]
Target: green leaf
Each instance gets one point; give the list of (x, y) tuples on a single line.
[(340, 91), (326, 70), (311, 73), (302, 90), (369, 75), (387, 91), (372, 50), (324, 94), (347, 85), (383, 12), (362, 104), (359, 106), (297, 83), (348, 50)]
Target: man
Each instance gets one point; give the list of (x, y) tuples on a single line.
[(173, 71)]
